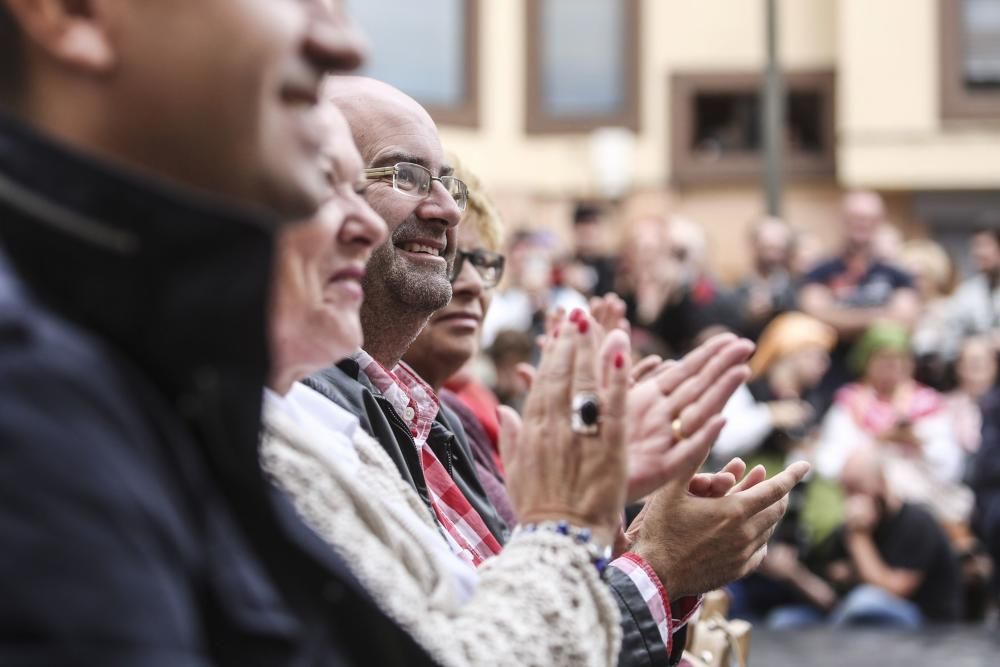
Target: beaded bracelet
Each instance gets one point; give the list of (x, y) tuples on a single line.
[(599, 556)]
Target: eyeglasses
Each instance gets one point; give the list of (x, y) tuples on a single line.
[(488, 264), (414, 180)]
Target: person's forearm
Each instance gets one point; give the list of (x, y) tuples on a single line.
[(872, 569), (814, 588), (849, 321)]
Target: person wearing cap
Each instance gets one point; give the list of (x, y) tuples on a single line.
[(771, 414), (888, 411)]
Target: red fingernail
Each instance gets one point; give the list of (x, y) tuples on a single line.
[(583, 325), (575, 316), (619, 360), (555, 332)]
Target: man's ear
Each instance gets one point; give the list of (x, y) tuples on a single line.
[(71, 32)]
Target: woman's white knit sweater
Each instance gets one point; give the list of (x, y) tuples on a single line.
[(540, 602)]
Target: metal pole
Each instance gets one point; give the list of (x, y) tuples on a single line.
[(773, 118)]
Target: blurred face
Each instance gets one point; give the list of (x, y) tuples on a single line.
[(414, 265), (588, 237), (985, 253), (886, 370), (808, 252), (811, 364), (320, 267), (863, 213), (772, 246), (451, 337), (922, 278), (977, 366), (221, 94)]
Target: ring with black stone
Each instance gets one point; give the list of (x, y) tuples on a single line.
[(585, 414)]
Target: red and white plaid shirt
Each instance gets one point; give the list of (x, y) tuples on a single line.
[(467, 535), (655, 596), (418, 405)]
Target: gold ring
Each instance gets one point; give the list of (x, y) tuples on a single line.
[(677, 426)]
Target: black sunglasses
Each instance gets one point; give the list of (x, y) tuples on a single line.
[(488, 264)]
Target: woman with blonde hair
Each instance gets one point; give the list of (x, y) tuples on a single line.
[(932, 342), (772, 413), (444, 351)]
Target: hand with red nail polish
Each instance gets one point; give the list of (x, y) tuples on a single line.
[(553, 472)]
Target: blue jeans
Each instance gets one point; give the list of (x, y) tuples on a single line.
[(865, 605)]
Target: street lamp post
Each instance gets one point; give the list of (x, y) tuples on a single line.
[(773, 120)]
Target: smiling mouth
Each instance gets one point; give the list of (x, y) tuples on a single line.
[(461, 317), (421, 249)]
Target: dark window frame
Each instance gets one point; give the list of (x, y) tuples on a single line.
[(539, 121), (688, 169), (957, 102)]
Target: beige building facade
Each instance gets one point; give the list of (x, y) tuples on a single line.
[(898, 95)]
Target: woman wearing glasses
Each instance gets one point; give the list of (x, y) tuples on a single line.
[(540, 602), (442, 352)]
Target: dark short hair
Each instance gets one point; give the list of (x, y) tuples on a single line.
[(586, 212), (988, 230), (10, 54), (511, 345)]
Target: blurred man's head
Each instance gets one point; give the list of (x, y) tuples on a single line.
[(985, 251), (863, 475), (218, 95), (863, 212), (589, 230), (772, 244), (976, 366), (408, 277), (687, 245)]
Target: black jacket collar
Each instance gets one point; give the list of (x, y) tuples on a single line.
[(174, 281)]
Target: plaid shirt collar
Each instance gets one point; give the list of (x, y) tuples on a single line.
[(411, 397)]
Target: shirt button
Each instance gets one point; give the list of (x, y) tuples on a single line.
[(408, 414)]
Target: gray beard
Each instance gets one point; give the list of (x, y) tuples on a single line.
[(397, 283)]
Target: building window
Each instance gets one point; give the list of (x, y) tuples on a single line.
[(716, 126), (582, 65), (428, 49), (970, 58)]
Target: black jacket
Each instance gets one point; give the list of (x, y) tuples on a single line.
[(985, 479), (351, 389), (137, 527)]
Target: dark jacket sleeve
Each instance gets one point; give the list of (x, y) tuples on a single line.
[(642, 645), (985, 478), (90, 573)]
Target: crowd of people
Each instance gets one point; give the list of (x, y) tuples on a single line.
[(239, 292), (245, 302), (878, 365)]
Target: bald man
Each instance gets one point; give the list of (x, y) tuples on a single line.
[(406, 281), (892, 557), (855, 290), (768, 290)]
